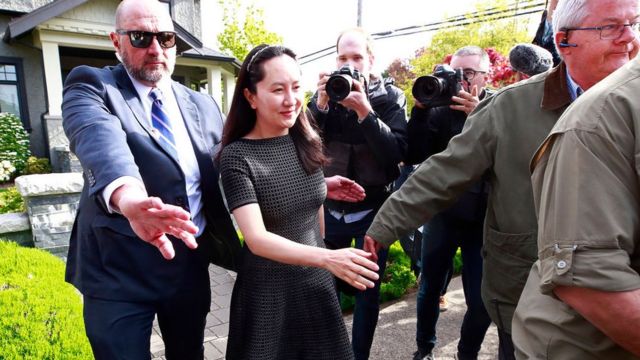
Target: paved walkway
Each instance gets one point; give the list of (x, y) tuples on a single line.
[(395, 335)]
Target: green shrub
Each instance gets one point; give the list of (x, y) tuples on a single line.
[(11, 201), (7, 170), (14, 145), (41, 314), (457, 263), (37, 166), (398, 278)]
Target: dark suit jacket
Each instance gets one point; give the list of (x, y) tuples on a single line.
[(111, 135)]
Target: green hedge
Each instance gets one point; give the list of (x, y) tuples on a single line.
[(41, 315), (36, 165), (11, 200), (398, 278)]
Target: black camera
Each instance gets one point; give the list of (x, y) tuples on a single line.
[(340, 82), (437, 89)]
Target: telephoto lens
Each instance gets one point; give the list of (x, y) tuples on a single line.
[(427, 88), (438, 89), (340, 82), (338, 87)]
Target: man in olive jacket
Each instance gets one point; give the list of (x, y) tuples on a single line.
[(582, 297), (499, 138)]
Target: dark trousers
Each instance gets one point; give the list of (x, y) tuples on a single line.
[(339, 234), (122, 330), (442, 237), (506, 350)]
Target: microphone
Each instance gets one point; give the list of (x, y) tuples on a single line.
[(530, 59)]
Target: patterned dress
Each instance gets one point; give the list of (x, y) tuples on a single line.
[(280, 311)]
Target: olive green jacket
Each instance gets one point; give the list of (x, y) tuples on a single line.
[(586, 191), (499, 139)]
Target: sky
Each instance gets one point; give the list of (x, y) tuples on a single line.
[(311, 25)]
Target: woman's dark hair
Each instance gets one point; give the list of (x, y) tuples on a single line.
[(242, 118)]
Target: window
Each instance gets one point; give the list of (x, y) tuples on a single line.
[(12, 92)]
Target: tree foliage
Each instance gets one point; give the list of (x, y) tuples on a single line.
[(243, 31), (400, 70), (489, 32)]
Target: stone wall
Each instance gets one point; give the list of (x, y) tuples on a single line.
[(187, 14), (51, 201), (66, 161), (23, 5), (15, 227)]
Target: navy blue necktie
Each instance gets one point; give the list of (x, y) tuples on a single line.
[(160, 121), (579, 92)]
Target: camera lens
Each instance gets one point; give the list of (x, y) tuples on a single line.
[(427, 88), (338, 87)]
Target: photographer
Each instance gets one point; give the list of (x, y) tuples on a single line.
[(364, 135), (432, 124)]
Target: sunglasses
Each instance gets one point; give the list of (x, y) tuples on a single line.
[(143, 39)]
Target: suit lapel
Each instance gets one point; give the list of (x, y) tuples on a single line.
[(130, 96), (191, 119)]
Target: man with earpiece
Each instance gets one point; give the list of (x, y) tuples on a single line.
[(594, 39), (582, 297)]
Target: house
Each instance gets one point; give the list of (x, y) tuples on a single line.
[(44, 39)]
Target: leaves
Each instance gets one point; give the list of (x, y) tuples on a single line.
[(241, 34), (398, 278), (14, 146), (11, 201)]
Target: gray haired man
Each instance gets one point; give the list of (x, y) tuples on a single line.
[(499, 139)]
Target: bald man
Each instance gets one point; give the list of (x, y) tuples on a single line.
[(150, 217)]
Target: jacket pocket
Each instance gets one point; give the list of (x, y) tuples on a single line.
[(118, 224), (118, 245), (507, 261)]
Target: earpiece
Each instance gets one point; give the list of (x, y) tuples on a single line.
[(564, 43)]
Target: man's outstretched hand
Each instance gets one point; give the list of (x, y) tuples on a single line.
[(152, 220), (372, 246), (343, 189)]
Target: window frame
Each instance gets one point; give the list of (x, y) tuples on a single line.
[(22, 91)]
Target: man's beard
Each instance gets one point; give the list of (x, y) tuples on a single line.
[(142, 74)]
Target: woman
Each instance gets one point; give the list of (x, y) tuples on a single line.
[(284, 304)]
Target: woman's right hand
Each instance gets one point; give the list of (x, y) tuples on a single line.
[(353, 266)]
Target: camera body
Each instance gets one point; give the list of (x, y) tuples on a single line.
[(437, 89), (340, 82)]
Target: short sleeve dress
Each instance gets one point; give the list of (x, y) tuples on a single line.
[(280, 311)]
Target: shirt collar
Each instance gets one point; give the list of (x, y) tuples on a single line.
[(144, 90), (573, 87)]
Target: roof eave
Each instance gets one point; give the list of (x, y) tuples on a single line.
[(29, 21)]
